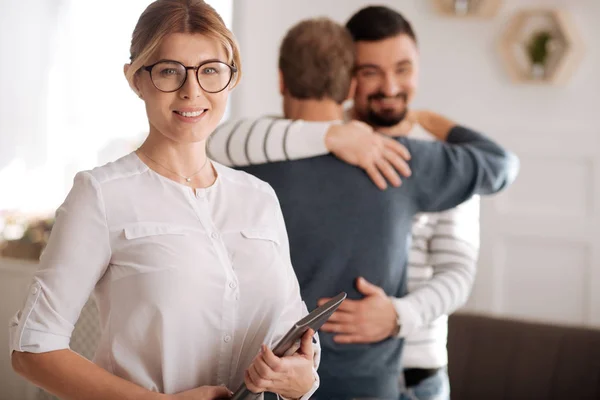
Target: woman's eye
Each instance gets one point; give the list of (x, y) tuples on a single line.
[(168, 72)]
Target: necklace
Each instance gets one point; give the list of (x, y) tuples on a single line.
[(187, 178)]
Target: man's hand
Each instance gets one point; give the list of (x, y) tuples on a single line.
[(369, 320), (203, 393), (290, 376), (356, 144)]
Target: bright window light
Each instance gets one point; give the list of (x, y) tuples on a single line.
[(75, 110)]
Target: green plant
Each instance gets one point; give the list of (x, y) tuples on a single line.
[(537, 47)]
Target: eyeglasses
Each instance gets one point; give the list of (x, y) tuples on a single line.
[(169, 76)]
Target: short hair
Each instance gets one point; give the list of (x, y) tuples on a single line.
[(316, 59), (376, 23), (163, 17)]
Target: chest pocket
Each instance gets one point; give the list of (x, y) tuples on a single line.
[(261, 234), (255, 249), (257, 259), (141, 231), (153, 247)]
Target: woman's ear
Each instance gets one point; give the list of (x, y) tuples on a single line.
[(133, 81)]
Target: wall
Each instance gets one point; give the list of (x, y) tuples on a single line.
[(461, 73), (539, 259)]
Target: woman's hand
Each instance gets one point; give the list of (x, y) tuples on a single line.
[(290, 376), (203, 393), (381, 157)]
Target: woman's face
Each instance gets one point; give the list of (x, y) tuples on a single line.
[(189, 114)]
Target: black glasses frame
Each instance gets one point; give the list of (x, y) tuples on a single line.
[(232, 68)]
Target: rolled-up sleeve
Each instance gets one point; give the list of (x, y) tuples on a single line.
[(76, 257)]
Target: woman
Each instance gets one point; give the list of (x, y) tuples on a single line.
[(175, 248)]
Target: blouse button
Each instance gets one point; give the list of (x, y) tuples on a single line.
[(232, 285), (214, 235), (34, 290), (227, 339)]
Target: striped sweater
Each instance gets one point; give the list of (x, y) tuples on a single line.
[(444, 248), (441, 270)]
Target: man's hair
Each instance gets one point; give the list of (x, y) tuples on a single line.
[(376, 23), (316, 59)]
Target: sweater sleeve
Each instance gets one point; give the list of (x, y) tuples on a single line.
[(245, 142), (445, 174), (451, 251)]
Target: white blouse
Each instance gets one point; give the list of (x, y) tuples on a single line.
[(189, 283)]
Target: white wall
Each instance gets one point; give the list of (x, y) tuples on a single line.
[(539, 256), (461, 71)]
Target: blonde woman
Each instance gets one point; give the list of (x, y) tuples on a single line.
[(176, 249)]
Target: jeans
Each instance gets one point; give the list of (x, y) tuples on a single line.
[(436, 387)]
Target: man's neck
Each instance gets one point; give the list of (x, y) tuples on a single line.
[(312, 110)]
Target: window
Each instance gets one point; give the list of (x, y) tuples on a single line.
[(68, 106)]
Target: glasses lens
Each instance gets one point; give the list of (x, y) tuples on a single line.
[(168, 76), (214, 76)]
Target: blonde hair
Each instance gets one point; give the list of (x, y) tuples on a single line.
[(164, 17)]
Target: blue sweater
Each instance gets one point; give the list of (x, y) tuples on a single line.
[(342, 226)]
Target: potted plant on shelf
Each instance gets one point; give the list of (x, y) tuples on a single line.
[(538, 50)]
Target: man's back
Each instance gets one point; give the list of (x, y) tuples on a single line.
[(341, 227)]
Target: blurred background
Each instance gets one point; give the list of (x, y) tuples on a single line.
[(66, 106), (540, 254)]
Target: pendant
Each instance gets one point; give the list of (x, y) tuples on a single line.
[(188, 179)]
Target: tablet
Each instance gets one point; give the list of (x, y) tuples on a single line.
[(314, 320)]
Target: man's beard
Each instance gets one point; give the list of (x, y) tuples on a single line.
[(385, 118)]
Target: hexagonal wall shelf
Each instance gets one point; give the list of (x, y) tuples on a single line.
[(541, 46), (468, 8)]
